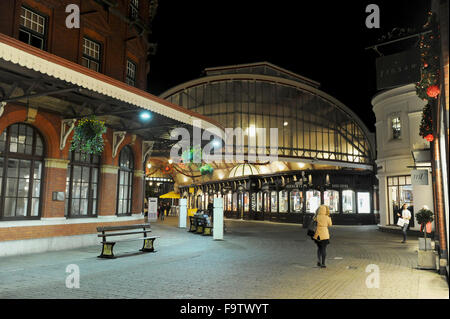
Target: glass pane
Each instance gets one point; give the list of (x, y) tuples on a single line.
[(283, 201), (75, 207), (363, 202), (273, 202), (10, 207), (84, 207), (348, 201), (36, 188), (13, 168), (94, 191), (84, 190), (37, 173), (25, 169), (1, 166), (11, 187), (94, 175), (35, 207), (23, 187), (22, 204), (76, 190), (312, 201)]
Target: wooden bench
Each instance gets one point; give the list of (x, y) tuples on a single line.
[(198, 225), (111, 231)]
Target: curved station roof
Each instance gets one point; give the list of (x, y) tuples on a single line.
[(313, 127)]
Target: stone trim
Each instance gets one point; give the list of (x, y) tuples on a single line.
[(109, 169), (56, 163)]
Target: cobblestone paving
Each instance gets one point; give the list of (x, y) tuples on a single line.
[(255, 260)]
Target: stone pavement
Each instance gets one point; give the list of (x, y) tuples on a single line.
[(256, 260)]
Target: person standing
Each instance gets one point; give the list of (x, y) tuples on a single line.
[(322, 235), (406, 216)]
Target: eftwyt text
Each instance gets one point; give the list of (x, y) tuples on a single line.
[(239, 308)]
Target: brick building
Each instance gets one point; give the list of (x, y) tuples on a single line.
[(50, 77)]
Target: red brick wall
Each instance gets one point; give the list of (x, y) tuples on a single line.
[(32, 232), (100, 25)]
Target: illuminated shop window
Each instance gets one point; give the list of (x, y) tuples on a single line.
[(331, 199), (348, 201), (283, 201), (312, 201), (296, 201)]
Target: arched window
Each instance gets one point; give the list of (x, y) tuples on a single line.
[(82, 185), (21, 166), (125, 181)]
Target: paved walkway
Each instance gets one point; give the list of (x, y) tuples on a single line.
[(255, 260)]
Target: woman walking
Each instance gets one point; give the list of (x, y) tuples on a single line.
[(322, 236), (406, 216)]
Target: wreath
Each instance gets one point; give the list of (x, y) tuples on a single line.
[(88, 136)]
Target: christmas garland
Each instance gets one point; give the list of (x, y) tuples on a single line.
[(87, 137), (427, 88)]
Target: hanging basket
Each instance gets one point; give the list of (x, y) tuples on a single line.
[(88, 136)]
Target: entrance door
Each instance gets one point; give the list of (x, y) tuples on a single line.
[(399, 193)]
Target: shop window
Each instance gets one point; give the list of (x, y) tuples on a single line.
[(32, 28), (125, 181), (199, 202), (348, 201), (91, 54), (246, 202), (399, 192), (21, 163), (82, 185), (229, 200), (296, 201), (363, 202), (273, 201), (331, 199), (312, 201), (283, 201), (259, 202), (235, 202), (267, 202)]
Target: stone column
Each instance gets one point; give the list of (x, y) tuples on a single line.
[(55, 173), (107, 200)]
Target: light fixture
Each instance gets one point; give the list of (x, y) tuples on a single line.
[(145, 115), (301, 165), (285, 123), (149, 165), (170, 161), (216, 143)]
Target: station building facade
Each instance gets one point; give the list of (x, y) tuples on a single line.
[(51, 77), (325, 154)]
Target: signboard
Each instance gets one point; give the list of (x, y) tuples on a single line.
[(152, 209), (398, 69), (191, 190), (419, 177)]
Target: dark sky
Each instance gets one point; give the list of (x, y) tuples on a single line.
[(322, 40)]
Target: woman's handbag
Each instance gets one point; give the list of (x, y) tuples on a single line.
[(312, 227), (400, 222)]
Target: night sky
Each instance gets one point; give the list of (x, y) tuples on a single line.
[(322, 40)]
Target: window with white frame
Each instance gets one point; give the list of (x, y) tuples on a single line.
[(396, 127), (131, 73), (91, 54), (32, 28)]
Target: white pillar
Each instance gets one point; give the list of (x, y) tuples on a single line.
[(218, 219), (183, 213)]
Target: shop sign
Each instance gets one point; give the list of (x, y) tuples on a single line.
[(191, 190), (294, 185), (419, 177)]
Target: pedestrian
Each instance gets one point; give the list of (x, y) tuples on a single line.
[(322, 236), (163, 210), (406, 216)]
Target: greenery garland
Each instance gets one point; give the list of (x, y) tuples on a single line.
[(87, 137), (427, 88), (190, 156)]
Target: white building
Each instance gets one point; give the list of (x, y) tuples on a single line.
[(398, 114)]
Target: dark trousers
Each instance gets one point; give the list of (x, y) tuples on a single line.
[(321, 250)]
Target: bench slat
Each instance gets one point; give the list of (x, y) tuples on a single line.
[(131, 239), (125, 227), (124, 233)]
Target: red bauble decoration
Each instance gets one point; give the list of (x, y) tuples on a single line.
[(429, 137), (425, 65), (433, 91)]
